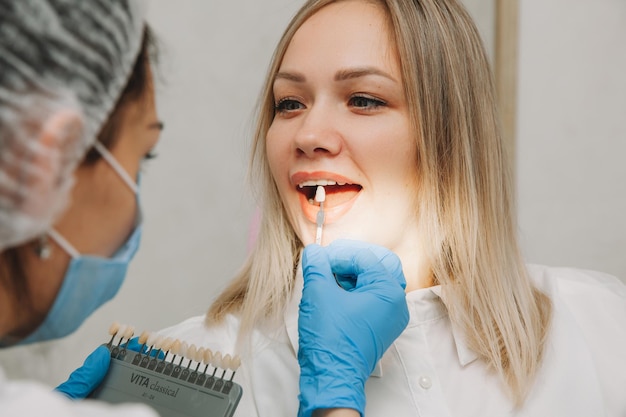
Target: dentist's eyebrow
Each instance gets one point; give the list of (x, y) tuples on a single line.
[(351, 73)]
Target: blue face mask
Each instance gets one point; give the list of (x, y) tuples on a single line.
[(90, 281)]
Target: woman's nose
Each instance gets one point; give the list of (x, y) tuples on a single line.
[(318, 134)]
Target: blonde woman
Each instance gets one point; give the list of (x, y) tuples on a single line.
[(389, 105)]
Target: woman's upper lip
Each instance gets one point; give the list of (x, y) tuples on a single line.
[(302, 176)]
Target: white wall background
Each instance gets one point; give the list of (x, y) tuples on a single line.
[(571, 145), (571, 142)]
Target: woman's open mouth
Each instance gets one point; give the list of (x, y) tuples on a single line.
[(339, 198)]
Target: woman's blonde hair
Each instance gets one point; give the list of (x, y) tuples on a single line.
[(465, 204)]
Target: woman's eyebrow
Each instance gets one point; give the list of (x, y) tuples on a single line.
[(341, 75), (290, 76), (351, 73)]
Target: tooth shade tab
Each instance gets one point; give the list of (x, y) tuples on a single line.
[(199, 355), (217, 359), (167, 344), (320, 194), (121, 330), (158, 343), (236, 363), (130, 331), (143, 339), (115, 327), (208, 356), (152, 338)]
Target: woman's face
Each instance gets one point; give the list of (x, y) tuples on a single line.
[(342, 118)]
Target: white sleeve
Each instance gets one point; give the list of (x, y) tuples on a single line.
[(28, 398)]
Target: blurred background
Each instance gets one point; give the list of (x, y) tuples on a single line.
[(568, 141)]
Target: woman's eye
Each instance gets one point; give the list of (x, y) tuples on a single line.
[(364, 102), (287, 105)]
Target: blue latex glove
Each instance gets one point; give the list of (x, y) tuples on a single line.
[(344, 332), (87, 378)]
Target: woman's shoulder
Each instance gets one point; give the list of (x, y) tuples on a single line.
[(574, 286), (196, 330), (589, 321), (591, 297)]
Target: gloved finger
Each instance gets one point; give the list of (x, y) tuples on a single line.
[(344, 269), (134, 345), (315, 265), (87, 378), (391, 262), (389, 259), (367, 262)]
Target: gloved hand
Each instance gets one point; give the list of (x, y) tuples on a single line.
[(87, 378), (344, 332)]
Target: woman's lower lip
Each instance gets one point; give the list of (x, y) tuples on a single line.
[(330, 214)]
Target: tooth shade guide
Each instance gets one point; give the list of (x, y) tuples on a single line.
[(192, 392)]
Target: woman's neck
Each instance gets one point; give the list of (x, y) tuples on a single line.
[(416, 266)]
